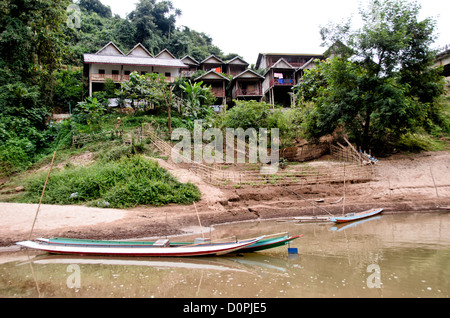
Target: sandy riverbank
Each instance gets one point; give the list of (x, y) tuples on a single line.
[(403, 183)]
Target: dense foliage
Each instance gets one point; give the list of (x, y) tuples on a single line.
[(151, 23), (256, 115), (41, 65), (381, 83), (380, 89), (32, 45), (122, 183)]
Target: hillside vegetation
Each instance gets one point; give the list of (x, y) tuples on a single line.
[(41, 71)]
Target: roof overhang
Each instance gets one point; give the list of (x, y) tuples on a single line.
[(135, 61)]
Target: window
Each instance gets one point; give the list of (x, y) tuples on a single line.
[(115, 72), (101, 71), (127, 72), (167, 74)]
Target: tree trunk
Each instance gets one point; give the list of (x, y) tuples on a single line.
[(366, 139), (169, 106)]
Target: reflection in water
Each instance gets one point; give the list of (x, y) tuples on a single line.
[(387, 256)]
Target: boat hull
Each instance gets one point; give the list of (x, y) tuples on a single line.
[(146, 251), (356, 216), (263, 244), (266, 244)]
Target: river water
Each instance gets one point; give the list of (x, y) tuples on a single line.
[(392, 255)]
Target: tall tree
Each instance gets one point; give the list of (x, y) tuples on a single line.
[(32, 45), (154, 22), (97, 7), (382, 84)]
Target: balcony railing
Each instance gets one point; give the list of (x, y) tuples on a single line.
[(120, 78), (282, 82), (114, 77), (187, 73), (248, 92)]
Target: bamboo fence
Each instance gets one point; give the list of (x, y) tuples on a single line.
[(81, 139), (250, 174), (350, 154)]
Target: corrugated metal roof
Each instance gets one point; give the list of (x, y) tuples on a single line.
[(128, 60)]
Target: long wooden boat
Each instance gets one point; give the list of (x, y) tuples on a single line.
[(349, 217), (160, 248), (268, 242), (344, 226)]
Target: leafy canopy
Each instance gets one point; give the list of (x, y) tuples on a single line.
[(379, 82)]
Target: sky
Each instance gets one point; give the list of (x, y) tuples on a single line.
[(250, 27)]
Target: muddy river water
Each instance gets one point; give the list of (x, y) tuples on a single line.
[(392, 255)]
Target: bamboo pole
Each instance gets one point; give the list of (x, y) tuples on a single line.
[(199, 222), (42, 195)]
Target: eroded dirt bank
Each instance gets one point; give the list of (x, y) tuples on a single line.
[(403, 183)]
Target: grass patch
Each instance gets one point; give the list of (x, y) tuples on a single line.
[(421, 141), (124, 183)]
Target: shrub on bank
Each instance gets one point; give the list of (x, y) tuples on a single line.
[(128, 182)]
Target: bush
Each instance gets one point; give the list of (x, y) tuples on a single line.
[(419, 141), (125, 183), (19, 143), (252, 114), (15, 155), (247, 114)]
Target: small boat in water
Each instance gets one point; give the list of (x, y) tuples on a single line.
[(267, 242), (160, 248), (349, 217)]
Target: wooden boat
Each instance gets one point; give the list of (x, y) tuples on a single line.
[(349, 217), (344, 226), (160, 248), (268, 242)]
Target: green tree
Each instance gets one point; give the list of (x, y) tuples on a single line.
[(185, 41), (154, 23), (32, 43), (92, 110), (198, 100), (68, 88), (382, 84), (97, 7), (145, 91), (247, 114)]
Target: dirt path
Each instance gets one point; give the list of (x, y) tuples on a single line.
[(402, 183)]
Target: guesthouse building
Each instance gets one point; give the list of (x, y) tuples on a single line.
[(111, 63), (271, 80)]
